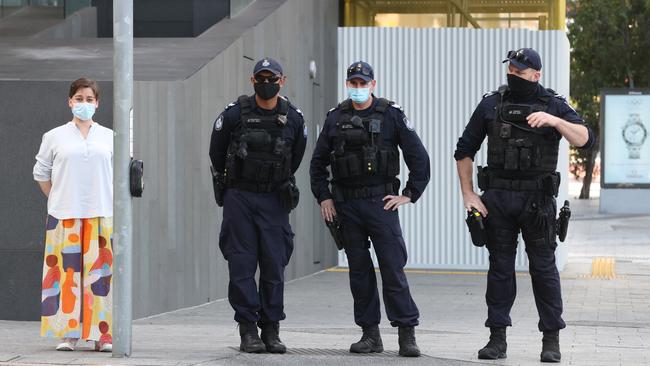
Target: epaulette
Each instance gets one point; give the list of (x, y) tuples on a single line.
[(493, 92), (330, 111), (230, 106), (395, 105), (555, 94), (295, 108)]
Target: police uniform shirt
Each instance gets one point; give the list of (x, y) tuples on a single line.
[(476, 130), (294, 133), (397, 130)]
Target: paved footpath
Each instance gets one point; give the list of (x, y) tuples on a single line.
[(608, 321)]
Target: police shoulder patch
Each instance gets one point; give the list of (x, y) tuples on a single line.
[(409, 124), (218, 124)]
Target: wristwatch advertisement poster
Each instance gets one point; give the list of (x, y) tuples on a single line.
[(625, 146)]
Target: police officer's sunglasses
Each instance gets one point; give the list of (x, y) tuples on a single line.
[(359, 69), (266, 79), (519, 57)]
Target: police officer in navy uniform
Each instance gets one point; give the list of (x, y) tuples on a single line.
[(524, 123), (359, 141), (257, 145)]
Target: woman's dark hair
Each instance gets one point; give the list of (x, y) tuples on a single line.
[(84, 83)]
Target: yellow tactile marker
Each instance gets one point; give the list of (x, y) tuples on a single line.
[(603, 268)]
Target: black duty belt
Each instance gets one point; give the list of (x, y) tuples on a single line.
[(548, 183), (350, 193), (253, 187)]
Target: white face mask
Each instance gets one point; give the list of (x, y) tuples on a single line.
[(83, 111)]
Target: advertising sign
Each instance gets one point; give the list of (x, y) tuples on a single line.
[(625, 146)]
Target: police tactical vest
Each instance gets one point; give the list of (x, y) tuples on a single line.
[(258, 156), (514, 148), (359, 148)]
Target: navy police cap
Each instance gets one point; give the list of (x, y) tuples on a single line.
[(524, 58), (361, 70), (268, 64)]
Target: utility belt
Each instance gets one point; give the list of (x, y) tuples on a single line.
[(254, 187), (548, 183), (342, 193), (287, 191)]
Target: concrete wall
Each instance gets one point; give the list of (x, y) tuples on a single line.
[(624, 200), (177, 261), (82, 23)]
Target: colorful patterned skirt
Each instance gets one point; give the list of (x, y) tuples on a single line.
[(76, 300)]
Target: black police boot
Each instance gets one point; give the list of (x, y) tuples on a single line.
[(551, 347), (496, 347), (406, 340), (271, 337), (370, 341), (250, 341)]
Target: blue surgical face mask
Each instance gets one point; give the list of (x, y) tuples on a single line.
[(359, 95), (83, 111)]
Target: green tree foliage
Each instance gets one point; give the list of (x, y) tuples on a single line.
[(610, 41)]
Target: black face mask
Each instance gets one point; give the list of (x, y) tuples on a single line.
[(266, 91), (521, 88)]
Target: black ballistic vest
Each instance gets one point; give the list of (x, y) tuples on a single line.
[(360, 156), (258, 156), (515, 150)]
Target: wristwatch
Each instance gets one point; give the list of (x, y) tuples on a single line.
[(634, 135)]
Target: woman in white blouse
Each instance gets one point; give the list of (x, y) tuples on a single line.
[(74, 170)]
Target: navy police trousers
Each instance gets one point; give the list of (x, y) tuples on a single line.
[(363, 218), (534, 214), (255, 231)]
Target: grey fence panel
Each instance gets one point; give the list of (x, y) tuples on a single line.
[(439, 76)]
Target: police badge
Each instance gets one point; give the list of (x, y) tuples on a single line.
[(218, 123), (409, 124)]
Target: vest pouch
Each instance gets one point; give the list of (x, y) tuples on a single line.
[(505, 131), (231, 171), (354, 165), (511, 158), (340, 168), (388, 163), (257, 139), (280, 172), (525, 158), (495, 156), (537, 156), (256, 170), (393, 163), (370, 162), (277, 173), (355, 136), (382, 165)]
